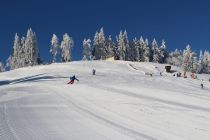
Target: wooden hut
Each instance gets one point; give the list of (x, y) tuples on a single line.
[(168, 68)]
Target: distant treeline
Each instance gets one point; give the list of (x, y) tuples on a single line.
[(26, 53)]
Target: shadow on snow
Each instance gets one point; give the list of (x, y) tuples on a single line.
[(33, 78)]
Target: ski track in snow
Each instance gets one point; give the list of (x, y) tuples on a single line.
[(123, 129), (6, 131), (120, 102), (154, 99)]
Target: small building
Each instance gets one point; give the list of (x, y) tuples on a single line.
[(168, 68)]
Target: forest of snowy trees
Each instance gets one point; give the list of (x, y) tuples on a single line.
[(63, 50), (26, 53), (123, 49), (140, 50)]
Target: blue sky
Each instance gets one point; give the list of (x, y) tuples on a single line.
[(178, 22)]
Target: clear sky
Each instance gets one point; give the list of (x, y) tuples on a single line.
[(178, 22)]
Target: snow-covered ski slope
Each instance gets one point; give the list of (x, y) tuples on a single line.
[(119, 103)]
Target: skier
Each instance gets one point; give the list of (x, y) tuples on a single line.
[(94, 72), (72, 80), (202, 84)]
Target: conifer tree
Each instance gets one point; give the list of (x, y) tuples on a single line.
[(109, 47), (14, 59), (155, 52), (122, 45), (146, 51), (54, 47), (31, 49), (189, 59), (87, 50), (99, 50), (66, 48), (163, 52), (2, 68)]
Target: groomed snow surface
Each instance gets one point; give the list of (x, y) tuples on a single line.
[(119, 103)]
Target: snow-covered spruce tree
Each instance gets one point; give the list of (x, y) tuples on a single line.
[(146, 51), (201, 66), (126, 44), (132, 52), (54, 47), (137, 50), (13, 60), (116, 50), (22, 58), (155, 52), (99, 45), (200, 56), (30, 49), (122, 45), (109, 47), (163, 52), (87, 55), (2, 69), (188, 59), (206, 62), (208, 66), (194, 62), (175, 58), (95, 49), (102, 38), (141, 49), (66, 47)]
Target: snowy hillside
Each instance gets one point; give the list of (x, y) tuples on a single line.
[(119, 103)]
